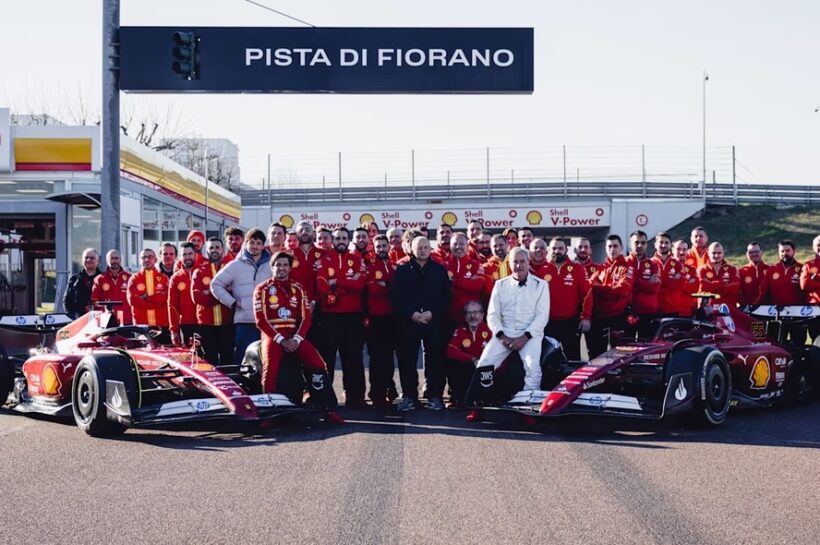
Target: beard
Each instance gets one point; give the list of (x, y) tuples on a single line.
[(306, 239), (559, 258), (788, 261), (487, 252), (341, 248), (382, 255)]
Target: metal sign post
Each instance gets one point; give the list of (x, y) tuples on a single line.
[(110, 172)]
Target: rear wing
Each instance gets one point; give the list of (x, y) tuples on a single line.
[(35, 323), (792, 312)]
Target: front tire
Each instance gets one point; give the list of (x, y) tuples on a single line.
[(716, 379), (88, 401)]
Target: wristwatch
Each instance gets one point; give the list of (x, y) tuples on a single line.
[(499, 334)]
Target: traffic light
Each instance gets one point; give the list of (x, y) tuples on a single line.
[(186, 55)]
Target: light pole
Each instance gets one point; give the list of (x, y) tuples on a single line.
[(705, 79)]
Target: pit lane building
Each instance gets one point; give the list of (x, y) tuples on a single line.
[(50, 210)]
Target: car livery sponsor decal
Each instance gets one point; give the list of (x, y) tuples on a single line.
[(761, 373)]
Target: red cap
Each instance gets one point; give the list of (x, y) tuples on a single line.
[(195, 233)]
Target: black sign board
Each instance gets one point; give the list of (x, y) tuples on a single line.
[(326, 60)]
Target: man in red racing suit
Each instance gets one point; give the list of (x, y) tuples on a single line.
[(283, 316)]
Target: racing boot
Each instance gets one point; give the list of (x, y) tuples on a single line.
[(332, 417), (474, 415)]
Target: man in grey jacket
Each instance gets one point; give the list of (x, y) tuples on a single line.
[(233, 286)]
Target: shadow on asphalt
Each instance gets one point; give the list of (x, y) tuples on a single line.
[(783, 427)]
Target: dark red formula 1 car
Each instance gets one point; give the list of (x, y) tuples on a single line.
[(111, 377), (705, 366)]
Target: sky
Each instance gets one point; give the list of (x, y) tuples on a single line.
[(608, 75)]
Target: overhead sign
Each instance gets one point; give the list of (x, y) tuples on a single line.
[(495, 219), (326, 60)]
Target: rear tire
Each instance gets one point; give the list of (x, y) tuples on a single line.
[(717, 386), (88, 401), (6, 377)]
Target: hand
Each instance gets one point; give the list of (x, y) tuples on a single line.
[(237, 305), (584, 326), (417, 317), (428, 316), (654, 279), (290, 345), (519, 342)]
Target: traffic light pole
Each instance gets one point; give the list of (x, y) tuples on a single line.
[(110, 172)]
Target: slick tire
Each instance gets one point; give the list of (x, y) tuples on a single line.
[(88, 400), (717, 389), (6, 378)]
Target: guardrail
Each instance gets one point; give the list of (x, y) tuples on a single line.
[(713, 193)]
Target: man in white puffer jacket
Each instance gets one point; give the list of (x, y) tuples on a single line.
[(233, 286)]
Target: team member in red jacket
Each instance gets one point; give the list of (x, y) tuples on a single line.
[(752, 277), (782, 285), (382, 326), (307, 259), (474, 230), (685, 303), (645, 286), (698, 255), (340, 282), (570, 300), (234, 238), (442, 251), (181, 306), (671, 273), (810, 284), (485, 246), (511, 234), (197, 238), (719, 277), (282, 314), (466, 277), (112, 285), (464, 349), (583, 257), (396, 238), (148, 296), (525, 237), (213, 319), (497, 267), (361, 242), (324, 239), (612, 294), (538, 257)]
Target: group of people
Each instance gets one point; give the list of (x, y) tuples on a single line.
[(313, 294)]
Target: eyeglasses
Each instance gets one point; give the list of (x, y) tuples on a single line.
[(474, 312)]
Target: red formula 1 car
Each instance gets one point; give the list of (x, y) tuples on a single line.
[(706, 366), (111, 377)]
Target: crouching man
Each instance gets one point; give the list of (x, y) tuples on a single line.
[(283, 316), (518, 312)]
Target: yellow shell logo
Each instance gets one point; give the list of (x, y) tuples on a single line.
[(366, 219), (449, 218), (760, 373), (181, 286), (378, 275), (286, 220), (466, 343), (747, 279), (534, 217), (106, 287), (206, 281), (273, 299)]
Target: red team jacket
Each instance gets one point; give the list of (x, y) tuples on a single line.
[(673, 277), (304, 268), (378, 296), (810, 281), (723, 281), (685, 303), (570, 292), (465, 345), (467, 277), (644, 292), (153, 310), (181, 306), (108, 288), (348, 292), (209, 311), (751, 283), (782, 284), (612, 288)]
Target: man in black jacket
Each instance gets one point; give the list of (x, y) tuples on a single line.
[(420, 292), (77, 299)]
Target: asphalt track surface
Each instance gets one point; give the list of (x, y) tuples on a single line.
[(424, 478)]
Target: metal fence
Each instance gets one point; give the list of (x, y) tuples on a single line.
[(535, 173)]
